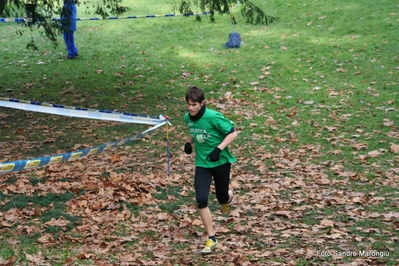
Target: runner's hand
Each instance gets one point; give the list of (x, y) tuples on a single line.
[(214, 156), (188, 148)]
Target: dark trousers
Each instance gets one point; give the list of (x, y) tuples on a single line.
[(203, 180), (30, 13), (72, 51)]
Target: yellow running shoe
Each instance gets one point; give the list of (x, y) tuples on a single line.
[(209, 246)]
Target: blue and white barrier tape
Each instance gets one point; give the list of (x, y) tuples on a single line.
[(14, 166), (20, 20), (71, 111)]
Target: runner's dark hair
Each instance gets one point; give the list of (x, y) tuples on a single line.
[(195, 94)]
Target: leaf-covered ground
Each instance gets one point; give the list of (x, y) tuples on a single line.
[(121, 207), (315, 102)]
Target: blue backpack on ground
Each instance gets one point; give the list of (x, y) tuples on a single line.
[(234, 41)]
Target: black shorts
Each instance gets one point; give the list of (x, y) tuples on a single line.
[(203, 180)]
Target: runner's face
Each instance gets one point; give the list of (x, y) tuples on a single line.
[(194, 107)]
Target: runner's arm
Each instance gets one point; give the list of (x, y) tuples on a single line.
[(228, 140), (190, 140)]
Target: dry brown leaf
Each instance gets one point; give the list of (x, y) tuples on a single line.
[(394, 148)]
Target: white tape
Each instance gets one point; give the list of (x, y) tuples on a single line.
[(118, 117)]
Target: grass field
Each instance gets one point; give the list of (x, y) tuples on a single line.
[(315, 101)]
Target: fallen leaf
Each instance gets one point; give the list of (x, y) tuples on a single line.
[(394, 148)]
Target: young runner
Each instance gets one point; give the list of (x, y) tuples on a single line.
[(211, 133)]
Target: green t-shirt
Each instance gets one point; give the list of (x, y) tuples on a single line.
[(208, 132)]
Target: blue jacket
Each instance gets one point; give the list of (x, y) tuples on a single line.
[(68, 15)]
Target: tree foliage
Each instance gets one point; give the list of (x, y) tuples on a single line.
[(252, 14), (43, 13)]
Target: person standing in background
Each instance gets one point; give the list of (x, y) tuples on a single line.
[(68, 24), (30, 8)]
